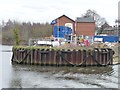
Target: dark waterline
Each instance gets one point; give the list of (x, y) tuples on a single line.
[(30, 76)]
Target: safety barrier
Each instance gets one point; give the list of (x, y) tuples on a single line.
[(95, 57)]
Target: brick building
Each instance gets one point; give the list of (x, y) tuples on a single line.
[(81, 26), (85, 26), (64, 20)]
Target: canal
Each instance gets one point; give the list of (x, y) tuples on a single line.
[(35, 76)]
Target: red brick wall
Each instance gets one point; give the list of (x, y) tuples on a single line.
[(81, 28), (63, 20), (87, 29)]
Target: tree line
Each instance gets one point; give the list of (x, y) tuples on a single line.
[(29, 30), (25, 31)]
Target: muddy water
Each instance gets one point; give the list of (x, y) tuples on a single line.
[(31, 76)]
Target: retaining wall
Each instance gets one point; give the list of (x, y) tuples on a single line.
[(95, 57)]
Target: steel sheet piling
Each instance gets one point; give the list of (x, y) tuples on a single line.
[(52, 57), (84, 58), (63, 57), (27, 58), (47, 56), (88, 58), (79, 57), (60, 59), (37, 57), (74, 56), (42, 56), (68, 57)]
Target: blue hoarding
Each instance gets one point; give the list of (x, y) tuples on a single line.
[(61, 31), (108, 38)]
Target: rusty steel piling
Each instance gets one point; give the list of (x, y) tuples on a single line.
[(51, 57)]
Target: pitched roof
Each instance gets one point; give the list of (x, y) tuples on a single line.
[(108, 29), (66, 17), (106, 25), (85, 19)]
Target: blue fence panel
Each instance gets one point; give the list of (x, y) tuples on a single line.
[(61, 31)]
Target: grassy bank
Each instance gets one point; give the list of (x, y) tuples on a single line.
[(67, 47)]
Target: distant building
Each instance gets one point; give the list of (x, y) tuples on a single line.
[(108, 30), (85, 26), (81, 26), (65, 21)]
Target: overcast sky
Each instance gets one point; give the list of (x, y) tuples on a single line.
[(47, 10)]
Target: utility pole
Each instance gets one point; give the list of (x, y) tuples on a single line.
[(119, 28), (58, 31), (119, 19)]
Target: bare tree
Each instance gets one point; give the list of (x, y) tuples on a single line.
[(99, 21)]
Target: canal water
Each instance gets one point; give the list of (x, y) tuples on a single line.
[(35, 76)]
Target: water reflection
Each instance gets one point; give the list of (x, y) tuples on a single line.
[(39, 76), (31, 76)]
